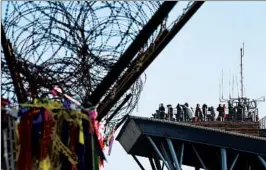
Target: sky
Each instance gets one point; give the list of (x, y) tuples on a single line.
[(189, 68)]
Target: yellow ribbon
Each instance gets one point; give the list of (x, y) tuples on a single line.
[(75, 117), (81, 134), (48, 104), (17, 140), (45, 164)]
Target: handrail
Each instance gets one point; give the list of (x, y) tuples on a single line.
[(253, 117), (262, 122), (208, 112)]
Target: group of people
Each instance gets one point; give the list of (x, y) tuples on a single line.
[(186, 113)]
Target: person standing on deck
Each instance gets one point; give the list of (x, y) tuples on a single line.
[(210, 114), (170, 112), (225, 115), (156, 115), (162, 111), (188, 113), (185, 106), (198, 113), (204, 111), (220, 110), (179, 113), (231, 114)]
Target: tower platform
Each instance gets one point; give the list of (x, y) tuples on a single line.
[(171, 144), (249, 128)]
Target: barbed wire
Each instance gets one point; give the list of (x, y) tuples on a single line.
[(72, 44)]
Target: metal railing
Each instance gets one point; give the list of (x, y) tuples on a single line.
[(253, 117), (263, 123)]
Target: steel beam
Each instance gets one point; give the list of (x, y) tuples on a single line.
[(131, 51), (157, 162), (12, 66), (121, 122), (167, 157), (109, 100), (181, 154), (172, 151), (201, 161), (152, 163), (118, 108), (234, 162), (126, 80), (223, 159), (262, 161), (138, 162), (158, 152), (163, 166)]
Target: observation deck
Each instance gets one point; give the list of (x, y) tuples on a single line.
[(172, 144)]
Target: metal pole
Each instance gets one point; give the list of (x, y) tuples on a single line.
[(167, 157), (241, 71), (181, 154), (157, 163), (234, 162), (223, 157), (172, 151), (201, 161), (152, 163), (158, 152), (136, 159), (262, 161)]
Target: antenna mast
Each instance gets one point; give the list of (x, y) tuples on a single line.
[(247, 109), (241, 71), (222, 84), (233, 85)]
